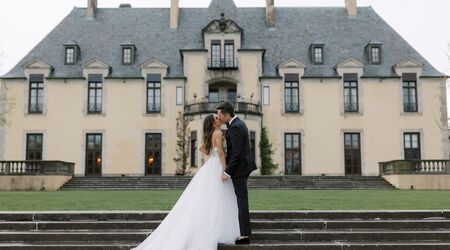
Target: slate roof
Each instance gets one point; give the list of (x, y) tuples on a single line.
[(296, 29)]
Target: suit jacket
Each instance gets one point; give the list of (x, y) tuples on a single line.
[(239, 156)]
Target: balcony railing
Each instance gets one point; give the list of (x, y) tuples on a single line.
[(220, 63), (210, 107), (414, 167), (36, 168)]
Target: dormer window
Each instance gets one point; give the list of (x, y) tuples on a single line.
[(317, 53), (128, 52), (70, 53), (374, 53)]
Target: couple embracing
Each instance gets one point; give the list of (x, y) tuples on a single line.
[(213, 208)]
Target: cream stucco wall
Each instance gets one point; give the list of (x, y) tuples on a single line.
[(420, 181), (381, 122), (123, 124), (32, 183)]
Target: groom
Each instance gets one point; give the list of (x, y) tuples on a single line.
[(240, 164)]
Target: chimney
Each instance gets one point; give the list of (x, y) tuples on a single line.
[(91, 8), (352, 7), (270, 13), (174, 10)]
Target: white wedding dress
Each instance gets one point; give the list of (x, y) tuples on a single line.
[(205, 214)]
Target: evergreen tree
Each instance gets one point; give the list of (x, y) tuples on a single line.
[(266, 152)]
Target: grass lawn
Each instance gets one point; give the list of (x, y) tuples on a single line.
[(259, 200)]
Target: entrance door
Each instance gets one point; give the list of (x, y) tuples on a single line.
[(352, 153), (93, 154), (34, 147), (152, 154)]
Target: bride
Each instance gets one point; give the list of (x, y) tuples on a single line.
[(206, 212)]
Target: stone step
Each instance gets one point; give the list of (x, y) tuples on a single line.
[(254, 246), (254, 215), (272, 230), (293, 182), (258, 235), (256, 224)]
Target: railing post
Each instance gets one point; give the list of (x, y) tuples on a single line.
[(7, 168)]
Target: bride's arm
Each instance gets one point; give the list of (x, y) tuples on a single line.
[(218, 142), (202, 149)]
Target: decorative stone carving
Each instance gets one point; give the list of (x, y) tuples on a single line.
[(222, 25)]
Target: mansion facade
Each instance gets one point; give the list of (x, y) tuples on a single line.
[(337, 89)]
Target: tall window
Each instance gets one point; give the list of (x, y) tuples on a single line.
[(36, 94), (70, 55), (375, 55), (409, 92), (351, 92), (95, 95), (266, 95), (193, 148), (153, 93), (179, 96), (291, 92), (253, 144), (34, 147), (318, 55), (292, 161), (215, 53), (411, 143), (229, 53)]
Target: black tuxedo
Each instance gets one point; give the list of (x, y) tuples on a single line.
[(240, 164)]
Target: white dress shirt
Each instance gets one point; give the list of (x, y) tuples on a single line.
[(229, 124)]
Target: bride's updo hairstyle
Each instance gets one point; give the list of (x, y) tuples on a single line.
[(208, 129)]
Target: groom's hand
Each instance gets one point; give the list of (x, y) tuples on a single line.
[(224, 176)]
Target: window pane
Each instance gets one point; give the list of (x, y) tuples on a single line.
[(70, 55), (179, 96), (407, 141), (266, 99), (213, 96), (318, 55), (127, 55), (375, 55)]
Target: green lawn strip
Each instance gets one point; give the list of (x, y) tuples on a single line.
[(259, 199)]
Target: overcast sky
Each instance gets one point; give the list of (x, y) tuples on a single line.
[(425, 24)]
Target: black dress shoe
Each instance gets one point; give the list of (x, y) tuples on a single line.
[(243, 241)]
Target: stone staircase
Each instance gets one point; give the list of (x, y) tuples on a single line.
[(272, 230), (272, 182)]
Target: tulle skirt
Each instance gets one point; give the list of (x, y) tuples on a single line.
[(205, 214)]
